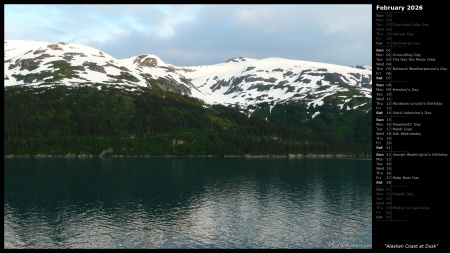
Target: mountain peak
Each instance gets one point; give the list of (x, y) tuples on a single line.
[(146, 60), (37, 63), (242, 82), (237, 59)]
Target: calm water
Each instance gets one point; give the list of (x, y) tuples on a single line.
[(187, 203)]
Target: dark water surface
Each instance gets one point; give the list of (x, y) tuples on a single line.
[(187, 203)]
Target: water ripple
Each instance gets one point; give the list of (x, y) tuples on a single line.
[(256, 204)]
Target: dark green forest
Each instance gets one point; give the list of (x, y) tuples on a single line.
[(110, 121)]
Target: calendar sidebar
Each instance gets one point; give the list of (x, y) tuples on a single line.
[(410, 133)]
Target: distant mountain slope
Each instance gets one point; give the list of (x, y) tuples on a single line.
[(245, 83), (66, 98), (40, 63)]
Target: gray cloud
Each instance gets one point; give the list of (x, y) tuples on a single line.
[(186, 35)]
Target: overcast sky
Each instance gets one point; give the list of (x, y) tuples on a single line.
[(195, 34)]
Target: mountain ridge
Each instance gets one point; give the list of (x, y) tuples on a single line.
[(66, 99), (244, 83)]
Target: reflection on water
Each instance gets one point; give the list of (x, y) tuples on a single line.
[(187, 203)]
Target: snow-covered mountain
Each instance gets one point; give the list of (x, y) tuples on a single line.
[(43, 63), (245, 81), (242, 82)]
